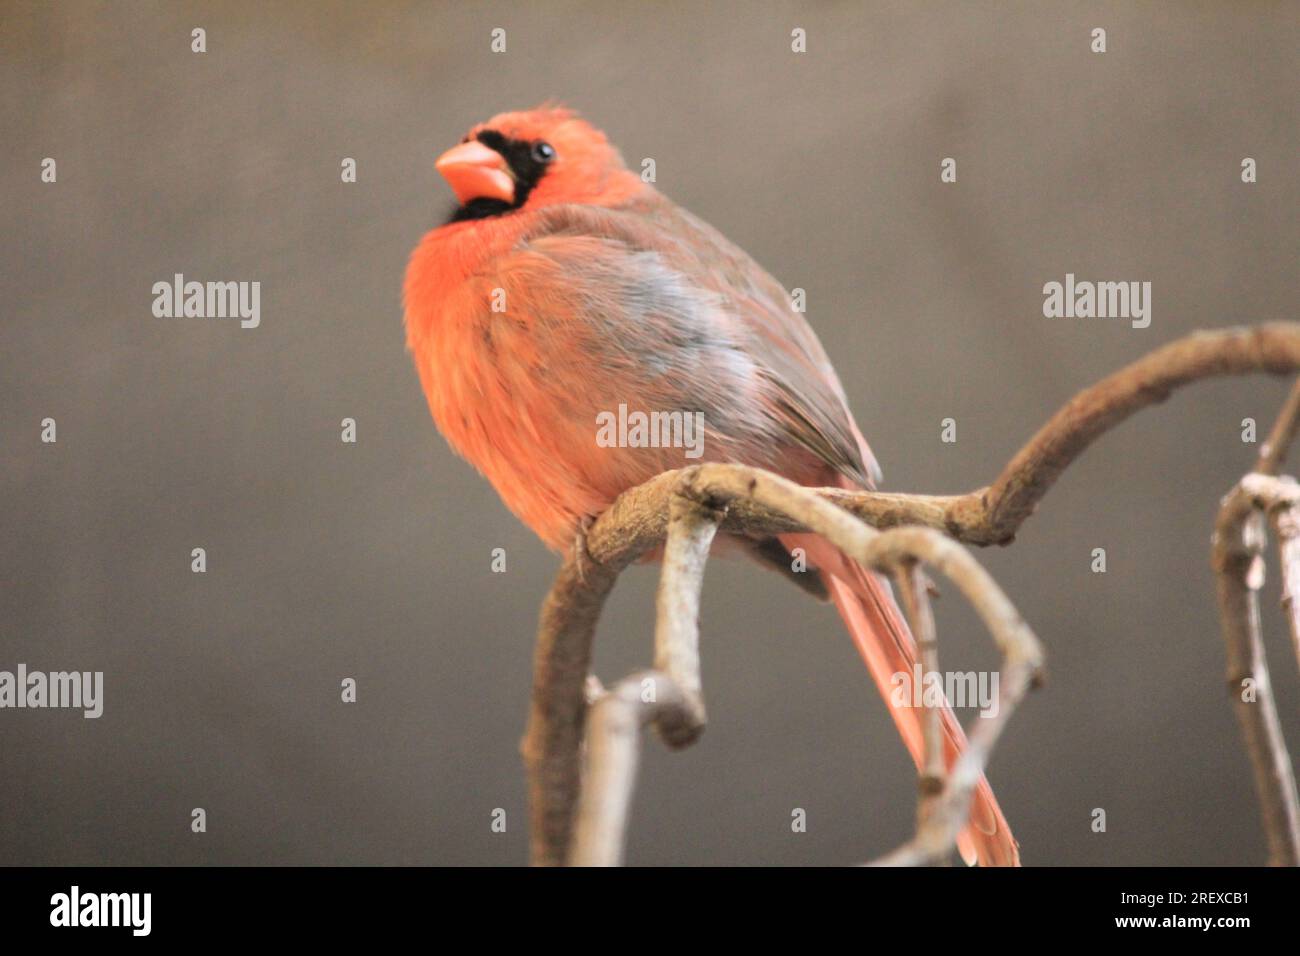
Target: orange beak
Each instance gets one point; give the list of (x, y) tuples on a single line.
[(476, 172)]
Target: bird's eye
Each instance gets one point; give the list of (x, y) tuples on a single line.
[(543, 152)]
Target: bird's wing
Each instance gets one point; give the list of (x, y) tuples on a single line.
[(683, 294)]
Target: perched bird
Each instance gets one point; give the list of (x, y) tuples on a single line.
[(563, 287)]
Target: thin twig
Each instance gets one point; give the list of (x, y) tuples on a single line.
[(913, 590), (1285, 520), (670, 696), (613, 755), (937, 834), (1022, 668), (1239, 572), (1279, 440)]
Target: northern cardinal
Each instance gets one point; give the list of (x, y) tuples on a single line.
[(563, 287)]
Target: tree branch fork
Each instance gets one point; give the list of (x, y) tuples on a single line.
[(582, 745)]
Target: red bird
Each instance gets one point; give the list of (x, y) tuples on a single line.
[(563, 287)]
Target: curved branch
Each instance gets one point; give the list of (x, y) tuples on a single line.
[(702, 495), (559, 702), (637, 522), (1239, 572), (1022, 669), (670, 696), (1031, 473), (994, 514)]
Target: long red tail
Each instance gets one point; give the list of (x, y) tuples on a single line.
[(886, 644)]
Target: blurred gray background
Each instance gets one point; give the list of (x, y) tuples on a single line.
[(328, 560)]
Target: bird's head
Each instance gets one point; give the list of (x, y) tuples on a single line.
[(531, 159)]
